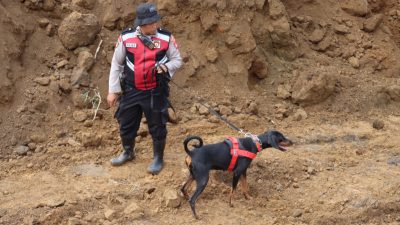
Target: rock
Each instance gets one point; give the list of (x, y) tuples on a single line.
[(7, 90), (87, 4), (354, 62), (317, 35), (80, 77), (372, 23), (170, 6), (282, 92), (109, 214), (355, 7), (134, 210), (44, 81), (90, 139), (171, 198), (252, 108), (203, 110), (378, 124), (224, 110), (392, 92), (209, 19), (78, 30), (211, 54), (300, 114), (21, 150), (341, 29), (43, 22), (38, 138), (297, 213), (85, 60), (395, 160), (62, 63), (79, 116), (65, 86), (313, 87), (259, 66)]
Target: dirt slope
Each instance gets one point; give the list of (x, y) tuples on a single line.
[(325, 73)]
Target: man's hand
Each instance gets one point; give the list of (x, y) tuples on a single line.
[(112, 99), (162, 68)]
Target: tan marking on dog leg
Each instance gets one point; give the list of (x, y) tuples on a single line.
[(245, 187), (231, 197)]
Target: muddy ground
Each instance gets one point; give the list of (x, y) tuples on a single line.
[(325, 73)]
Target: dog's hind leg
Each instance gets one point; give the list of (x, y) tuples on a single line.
[(201, 182), (186, 186), (245, 185)]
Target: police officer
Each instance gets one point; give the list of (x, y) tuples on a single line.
[(144, 57)]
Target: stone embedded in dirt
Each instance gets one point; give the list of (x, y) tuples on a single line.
[(64, 86), (85, 60), (80, 77), (87, 4), (209, 19), (378, 124), (109, 214), (203, 110), (21, 150), (252, 108), (171, 198), (211, 54), (372, 23), (391, 93), (282, 92), (317, 35), (259, 65), (38, 138), (225, 110), (170, 6), (44, 81), (354, 62), (341, 29), (78, 30), (62, 63), (313, 86), (79, 116), (134, 211), (297, 213), (43, 22), (90, 139), (300, 114), (395, 160), (355, 7)]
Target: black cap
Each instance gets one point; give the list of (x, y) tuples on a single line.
[(146, 13)]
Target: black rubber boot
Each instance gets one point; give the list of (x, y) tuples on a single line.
[(158, 150), (127, 155)]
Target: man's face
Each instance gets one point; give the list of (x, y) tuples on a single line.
[(149, 29)]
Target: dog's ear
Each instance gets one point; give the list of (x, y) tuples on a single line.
[(271, 139)]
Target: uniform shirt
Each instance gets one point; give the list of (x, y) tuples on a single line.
[(119, 57)]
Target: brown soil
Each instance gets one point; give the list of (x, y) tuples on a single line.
[(326, 83)]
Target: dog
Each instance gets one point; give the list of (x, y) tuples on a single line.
[(218, 156)]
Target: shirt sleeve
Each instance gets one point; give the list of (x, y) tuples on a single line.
[(117, 67), (174, 57)]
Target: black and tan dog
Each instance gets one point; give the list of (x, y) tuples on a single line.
[(219, 156)]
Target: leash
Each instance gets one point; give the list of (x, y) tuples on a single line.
[(215, 113)]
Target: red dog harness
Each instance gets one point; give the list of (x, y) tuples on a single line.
[(236, 152)]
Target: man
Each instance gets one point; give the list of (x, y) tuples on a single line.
[(144, 58)]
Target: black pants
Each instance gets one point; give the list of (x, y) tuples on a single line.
[(133, 104)]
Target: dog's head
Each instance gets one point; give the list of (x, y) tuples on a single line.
[(275, 139)]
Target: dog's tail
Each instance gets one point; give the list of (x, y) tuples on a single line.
[(188, 139)]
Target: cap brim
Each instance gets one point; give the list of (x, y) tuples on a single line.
[(153, 19)]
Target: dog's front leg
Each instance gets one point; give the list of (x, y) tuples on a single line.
[(235, 181)]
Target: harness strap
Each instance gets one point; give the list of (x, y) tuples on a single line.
[(236, 152)]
